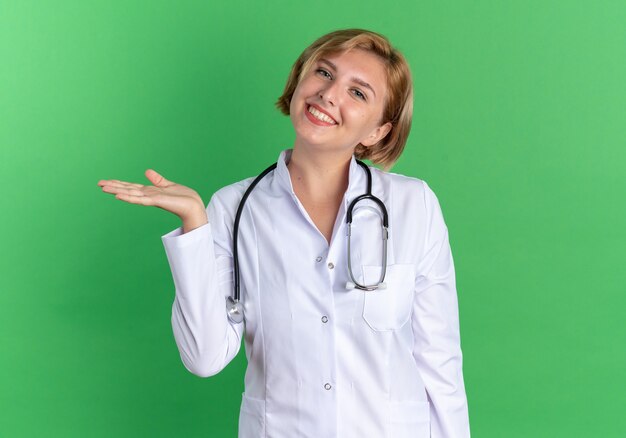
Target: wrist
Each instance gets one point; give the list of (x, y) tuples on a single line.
[(194, 219)]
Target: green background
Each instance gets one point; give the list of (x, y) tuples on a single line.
[(519, 128)]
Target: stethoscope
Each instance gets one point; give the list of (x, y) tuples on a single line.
[(234, 307)]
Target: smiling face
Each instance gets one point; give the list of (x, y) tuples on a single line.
[(339, 103)]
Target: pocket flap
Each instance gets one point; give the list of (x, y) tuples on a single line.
[(389, 308)]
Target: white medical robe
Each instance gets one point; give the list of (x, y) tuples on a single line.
[(324, 360)]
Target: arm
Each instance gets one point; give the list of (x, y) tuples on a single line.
[(435, 324), (201, 265)]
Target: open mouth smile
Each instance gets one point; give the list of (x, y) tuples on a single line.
[(318, 117)]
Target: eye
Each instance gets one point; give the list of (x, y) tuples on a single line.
[(358, 94), (324, 73)]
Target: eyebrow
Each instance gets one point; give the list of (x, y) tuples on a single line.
[(359, 81)]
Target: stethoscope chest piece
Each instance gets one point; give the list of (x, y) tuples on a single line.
[(234, 309)]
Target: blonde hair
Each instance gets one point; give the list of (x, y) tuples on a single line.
[(398, 106)]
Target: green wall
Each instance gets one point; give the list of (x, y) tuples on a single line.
[(519, 128)]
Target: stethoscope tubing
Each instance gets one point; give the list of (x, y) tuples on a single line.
[(236, 227), (233, 305)]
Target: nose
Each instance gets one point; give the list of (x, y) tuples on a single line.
[(325, 95), (329, 93)]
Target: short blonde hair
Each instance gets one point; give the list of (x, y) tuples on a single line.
[(398, 106)]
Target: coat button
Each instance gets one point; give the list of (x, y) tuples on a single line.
[(319, 259), (324, 319), (327, 386), (331, 266)]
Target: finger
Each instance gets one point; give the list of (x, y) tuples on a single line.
[(115, 183), (156, 178), (127, 185), (123, 190), (140, 200)]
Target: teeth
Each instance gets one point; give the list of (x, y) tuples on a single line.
[(320, 115)]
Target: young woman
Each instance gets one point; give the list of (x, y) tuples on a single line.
[(351, 329)]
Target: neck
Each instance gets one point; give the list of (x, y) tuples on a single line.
[(323, 177)]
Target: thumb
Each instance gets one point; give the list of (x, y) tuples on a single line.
[(156, 178)]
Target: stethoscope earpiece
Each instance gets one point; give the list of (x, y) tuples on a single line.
[(350, 286)]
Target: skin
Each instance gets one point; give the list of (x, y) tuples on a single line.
[(322, 152), (321, 155), (167, 195)]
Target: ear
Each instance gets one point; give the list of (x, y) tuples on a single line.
[(377, 135)]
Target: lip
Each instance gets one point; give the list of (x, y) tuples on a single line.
[(317, 121)]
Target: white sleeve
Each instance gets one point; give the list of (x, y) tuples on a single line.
[(435, 324), (202, 269)]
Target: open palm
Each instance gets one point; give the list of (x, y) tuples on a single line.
[(165, 194)]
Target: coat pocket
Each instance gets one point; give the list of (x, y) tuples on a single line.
[(389, 308), (409, 419), (251, 417)]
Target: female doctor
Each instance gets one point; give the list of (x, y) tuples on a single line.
[(348, 332)]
